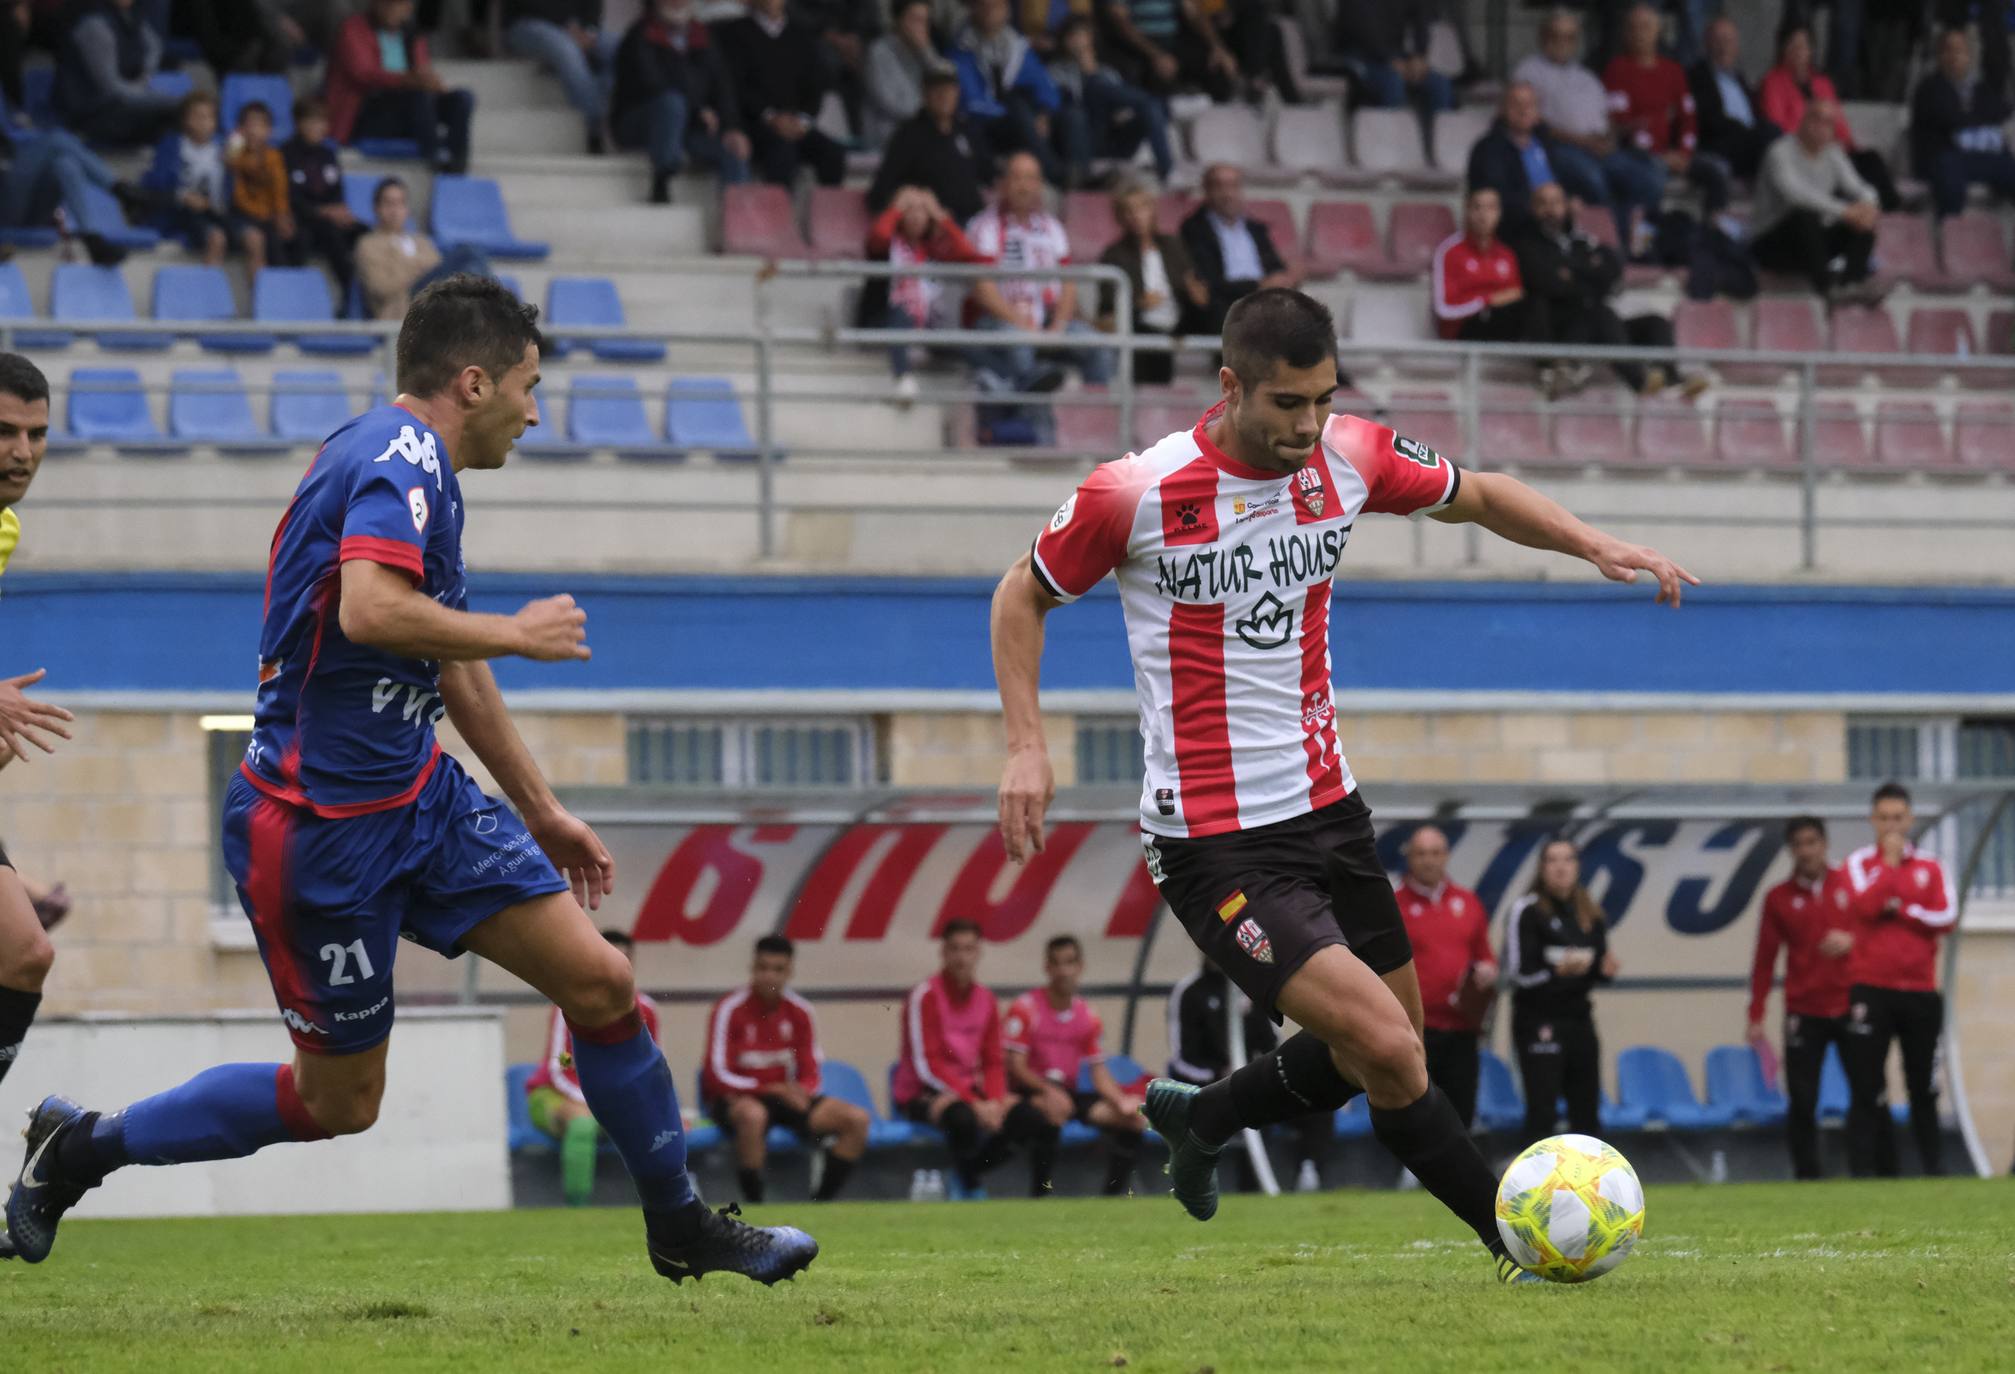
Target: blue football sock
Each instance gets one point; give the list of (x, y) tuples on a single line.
[(629, 1089), (227, 1112)]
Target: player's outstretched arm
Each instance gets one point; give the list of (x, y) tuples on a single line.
[(474, 704), (381, 607), (1511, 510), (1027, 782)]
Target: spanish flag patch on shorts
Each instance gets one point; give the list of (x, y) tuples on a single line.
[(1228, 909)]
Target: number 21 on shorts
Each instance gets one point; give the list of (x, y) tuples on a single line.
[(338, 957)]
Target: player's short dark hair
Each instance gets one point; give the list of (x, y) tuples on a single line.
[(255, 107), (1057, 942), (463, 321), (1274, 326), (1798, 825), (22, 379), (310, 107), (776, 944), (961, 926), (621, 939), (1890, 791)]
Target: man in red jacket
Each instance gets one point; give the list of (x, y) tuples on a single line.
[(382, 84), (1450, 930), (1651, 106), (1478, 294), (1902, 907), (1807, 917)]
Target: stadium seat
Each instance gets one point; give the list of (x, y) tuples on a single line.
[(177, 84), (840, 223), (82, 294), (1127, 1071), (1315, 87), (1909, 434), (1353, 1119), (209, 406), (1947, 333), (471, 210), (388, 149), (100, 206), (592, 301), (2000, 339), (184, 292), (1454, 133), (1087, 220), (1431, 417), (777, 1141), (843, 1081), (1308, 138), (1234, 133), (1278, 217), (1092, 429), (1171, 208), (1785, 324), (1618, 1116), (608, 412), (17, 304), (1418, 228), (1839, 436), (1655, 1080), (704, 413), (1388, 143), (359, 193), (1749, 433), (300, 295), (240, 89), (921, 1133), (1498, 1105), (1671, 432), (107, 406), (1343, 237), (522, 1135), (1594, 426), (1735, 1084), (1155, 417), (1706, 324), (308, 406), (757, 222), (1513, 427), (1984, 435), (1864, 329), (1834, 1094), (1904, 252), (1974, 249), (548, 438)]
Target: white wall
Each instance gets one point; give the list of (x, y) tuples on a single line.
[(438, 1144)]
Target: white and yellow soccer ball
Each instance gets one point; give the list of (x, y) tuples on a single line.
[(1570, 1208)]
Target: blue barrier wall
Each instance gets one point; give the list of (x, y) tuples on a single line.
[(170, 632)]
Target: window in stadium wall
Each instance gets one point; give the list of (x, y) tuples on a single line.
[(1946, 749), (1109, 751), (769, 753)]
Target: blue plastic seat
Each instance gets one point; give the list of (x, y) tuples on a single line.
[(107, 406), (242, 88), (390, 149), (919, 1132), (176, 85), (608, 412), (704, 413), (845, 1082), (593, 302), (360, 194), (300, 295), (1618, 1116), (523, 1135), (204, 293), (209, 406), (1655, 1080), (548, 439), (308, 406), (1834, 1093), (82, 294), (509, 281), (471, 210), (100, 206), (1735, 1082), (1498, 1105), (17, 304)]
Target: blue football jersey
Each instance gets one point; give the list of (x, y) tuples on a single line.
[(343, 728)]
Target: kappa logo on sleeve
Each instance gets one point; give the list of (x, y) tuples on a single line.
[(418, 451)]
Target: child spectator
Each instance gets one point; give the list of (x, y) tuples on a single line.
[(259, 201), (188, 181), (315, 192)]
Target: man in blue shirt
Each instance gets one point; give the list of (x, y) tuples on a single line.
[(1514, 158), (1732, 126), (347, 827)]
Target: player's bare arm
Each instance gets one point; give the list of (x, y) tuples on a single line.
[(1027, 783), (477, 708), (383, 609), (25, 721), (1511, 510)]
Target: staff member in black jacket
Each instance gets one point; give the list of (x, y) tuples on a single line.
[(779, 78), (1956, 134), (1557, 952), (1732, 126), (1235, 255), (939, 149), (673, 98)]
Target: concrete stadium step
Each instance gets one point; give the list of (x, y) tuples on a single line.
[(507, 83), (571, 179), (611, 233), (511, 131)]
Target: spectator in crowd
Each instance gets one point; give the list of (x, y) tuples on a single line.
[(17, 33), (1478, 295), (382, 84), (1513, 158), (775, 67), (1612, 20), (1814, 215), (1101, 114), (1168, 296), (103, 89), (1052, 1036), (763, 1070), (844, 29), (1223, 47), (673, 98), (952, 1074), (1807, 917), (56, 170), (1957, 137), (1450, 930), (897, 63), (1006, 89), (1017, 231), (1992, 22), (1733, 130), (553, 1093), (1233, 253), (914, 228), (1199, 1052), (1793, 85), (1557, 952), (238, 35), (565, 37), (1384, 48), (938, 149), (1569, 281), (190, 181), (1580, 144), (1652, 109), (1245, 30), (315, 184), (262, 209), (395, 261), (1902, 908)]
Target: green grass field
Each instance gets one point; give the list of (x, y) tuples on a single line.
[(1911, 1275)]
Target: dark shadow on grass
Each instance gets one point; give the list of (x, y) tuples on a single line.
[(384, 1310)]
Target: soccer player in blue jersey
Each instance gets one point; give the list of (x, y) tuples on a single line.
[(347, 826)]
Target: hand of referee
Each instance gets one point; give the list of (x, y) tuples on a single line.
[(1621, 562), (25, 721), (1027, 787)]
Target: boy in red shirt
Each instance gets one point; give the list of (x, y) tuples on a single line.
[(762, 1070), (1450, 930), (1050, 1035)]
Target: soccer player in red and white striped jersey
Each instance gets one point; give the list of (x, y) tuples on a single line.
[(1224, 539), (763, 1070)]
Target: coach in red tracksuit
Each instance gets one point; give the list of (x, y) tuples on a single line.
[(1450, 931), (1807, 917), (1478, 295), (1902, 907)]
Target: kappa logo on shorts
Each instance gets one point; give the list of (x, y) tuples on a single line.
[(1253, 940), (1228, 909), (1153, 857)]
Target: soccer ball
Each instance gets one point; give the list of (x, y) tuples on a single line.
[(1570, 1208)]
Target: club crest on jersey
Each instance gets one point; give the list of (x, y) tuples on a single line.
[(1253, 941), (1269, 625), (1309, 483), (416, 449)]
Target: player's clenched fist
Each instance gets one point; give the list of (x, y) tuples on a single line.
[(553, 630)]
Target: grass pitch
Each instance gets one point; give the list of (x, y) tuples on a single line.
[(1820, 1277)]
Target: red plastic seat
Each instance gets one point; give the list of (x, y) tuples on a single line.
[(840, 222), (1908, 434), (1089, 428), (1087, 223), (756, 221), (1343, 237), (1418, 227), (1865, 329), (1171, 208), (1750, 434), (1904, 252), (1594, 427), (1154, 420), (1976, 250), (1947, 332), (1706, 324), (1984, 435), (1279, 220), (2001, 333), (1784, 324), (1512, 426), (1672, 433), (1429, 417), (1839, 438), (1600, 225)]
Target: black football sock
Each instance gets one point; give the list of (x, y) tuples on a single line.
[(1122, 1150), (1291, 1081), (837, 1172), (1429, 1138), (17, 1012), (962, 1134), (752, 1184)]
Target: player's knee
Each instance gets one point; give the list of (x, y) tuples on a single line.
[(605, 991), (748, 1116), (26, 967), (1054, 1109), (1393, 1054), (853, 1125)]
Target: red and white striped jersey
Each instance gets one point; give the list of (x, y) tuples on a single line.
[(1224, 573)]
